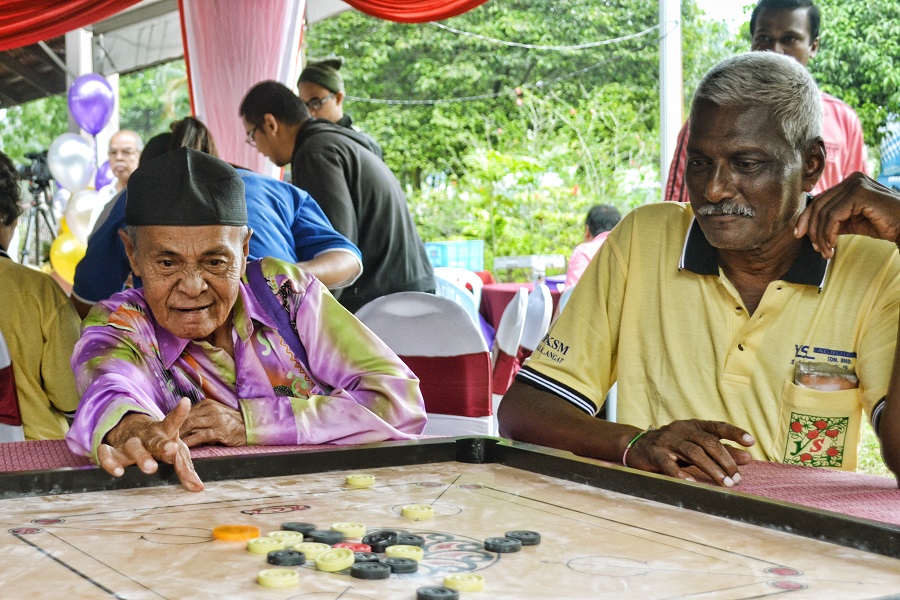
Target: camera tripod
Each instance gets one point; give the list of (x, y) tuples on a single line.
[(40, 223)]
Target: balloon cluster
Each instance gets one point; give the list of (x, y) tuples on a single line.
[(72, 162)]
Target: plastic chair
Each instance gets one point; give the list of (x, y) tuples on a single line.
[(464, 277), (10, 417), (458, 294), (563, 298), (504, 356), (437, 340), (537, 318)]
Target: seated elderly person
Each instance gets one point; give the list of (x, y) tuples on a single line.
[(743, 316), (201, 356), (286, 221)]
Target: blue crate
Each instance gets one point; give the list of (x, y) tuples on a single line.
[(468, 254)]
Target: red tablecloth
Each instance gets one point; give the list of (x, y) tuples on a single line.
[(495, 297), (865, 496)]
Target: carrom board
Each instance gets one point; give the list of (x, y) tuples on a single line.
[(606, 532)]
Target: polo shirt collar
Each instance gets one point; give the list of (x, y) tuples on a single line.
[(246, 310), (699, 256)]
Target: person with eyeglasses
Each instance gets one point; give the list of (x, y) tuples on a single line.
[(125, 149), (357, 191), (321, 89)]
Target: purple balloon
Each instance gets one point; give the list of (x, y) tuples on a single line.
[(103, 177), (91, 102)]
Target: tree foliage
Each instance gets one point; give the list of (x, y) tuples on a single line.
[(507, 143)]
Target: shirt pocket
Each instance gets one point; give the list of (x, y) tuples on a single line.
[(818, 429)]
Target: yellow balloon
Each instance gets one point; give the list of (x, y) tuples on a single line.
[(63, 226), (65, 253)]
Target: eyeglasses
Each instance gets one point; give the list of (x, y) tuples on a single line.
[(249, 139), (316, 103)]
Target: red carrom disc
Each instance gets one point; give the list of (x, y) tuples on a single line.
[(354, 547)]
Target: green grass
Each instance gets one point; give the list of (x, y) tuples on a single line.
[(870, 453)]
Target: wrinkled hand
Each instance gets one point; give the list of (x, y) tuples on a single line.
[(858, 205), (211, 422), (141, 440), (692, 442)]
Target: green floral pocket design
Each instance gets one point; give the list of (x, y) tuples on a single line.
[(816, 441)]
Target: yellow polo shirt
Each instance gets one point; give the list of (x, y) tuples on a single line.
[(654, 312)]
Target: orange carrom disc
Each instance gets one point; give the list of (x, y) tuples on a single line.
[(238, 533)]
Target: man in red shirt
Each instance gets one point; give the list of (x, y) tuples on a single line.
[(791, 27)]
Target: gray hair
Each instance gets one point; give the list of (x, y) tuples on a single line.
[(770, 80)]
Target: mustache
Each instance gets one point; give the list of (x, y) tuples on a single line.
[(726, 208)]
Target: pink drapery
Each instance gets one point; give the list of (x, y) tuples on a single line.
[(230, 46), (414, 11), (25, 22)]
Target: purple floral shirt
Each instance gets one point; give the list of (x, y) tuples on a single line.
[(126, 362)]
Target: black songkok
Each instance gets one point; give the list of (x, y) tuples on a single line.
[(185, 187)]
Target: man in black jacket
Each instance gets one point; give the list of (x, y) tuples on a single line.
[(356, 190)]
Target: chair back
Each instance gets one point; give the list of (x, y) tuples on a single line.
[(440, 344), (464, 277), (537, 317), (10, 418), (506, 344), (456, 292), (563, 298)]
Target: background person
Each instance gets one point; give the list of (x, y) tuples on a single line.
[(198, 356), (357, 192), (599, 222), (125, 149), (40, 327), (791, 28), (321, 88)]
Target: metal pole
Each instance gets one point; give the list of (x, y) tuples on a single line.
[(670, 85)]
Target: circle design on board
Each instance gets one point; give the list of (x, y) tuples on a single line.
[(272, 510), (784, 571), (48, 521), (470, 486), (787, 584), (178, 535), (441, 509), (609, 566), (26, 530), (446, 553), (430, 484)]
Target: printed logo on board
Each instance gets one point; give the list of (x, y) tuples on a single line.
[(816, 441)]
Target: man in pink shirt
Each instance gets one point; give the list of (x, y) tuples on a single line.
[(791, 27), (600, 220)]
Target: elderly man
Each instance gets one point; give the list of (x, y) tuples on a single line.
[(201, 356), (125, 148), (357, 192), (287, 224), (791, 27), (321, 88), (720, 320)]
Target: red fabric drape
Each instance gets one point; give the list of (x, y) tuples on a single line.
[(454, 385), (414, 11), (25, 22)]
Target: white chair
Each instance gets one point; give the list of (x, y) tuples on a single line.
[(464, 277), (563, 298), (504, 356), (537, 318), (457, 293), (437, 340), (10, 418)]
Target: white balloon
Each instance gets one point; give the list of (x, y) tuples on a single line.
[(82, 212), (71, 161)]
